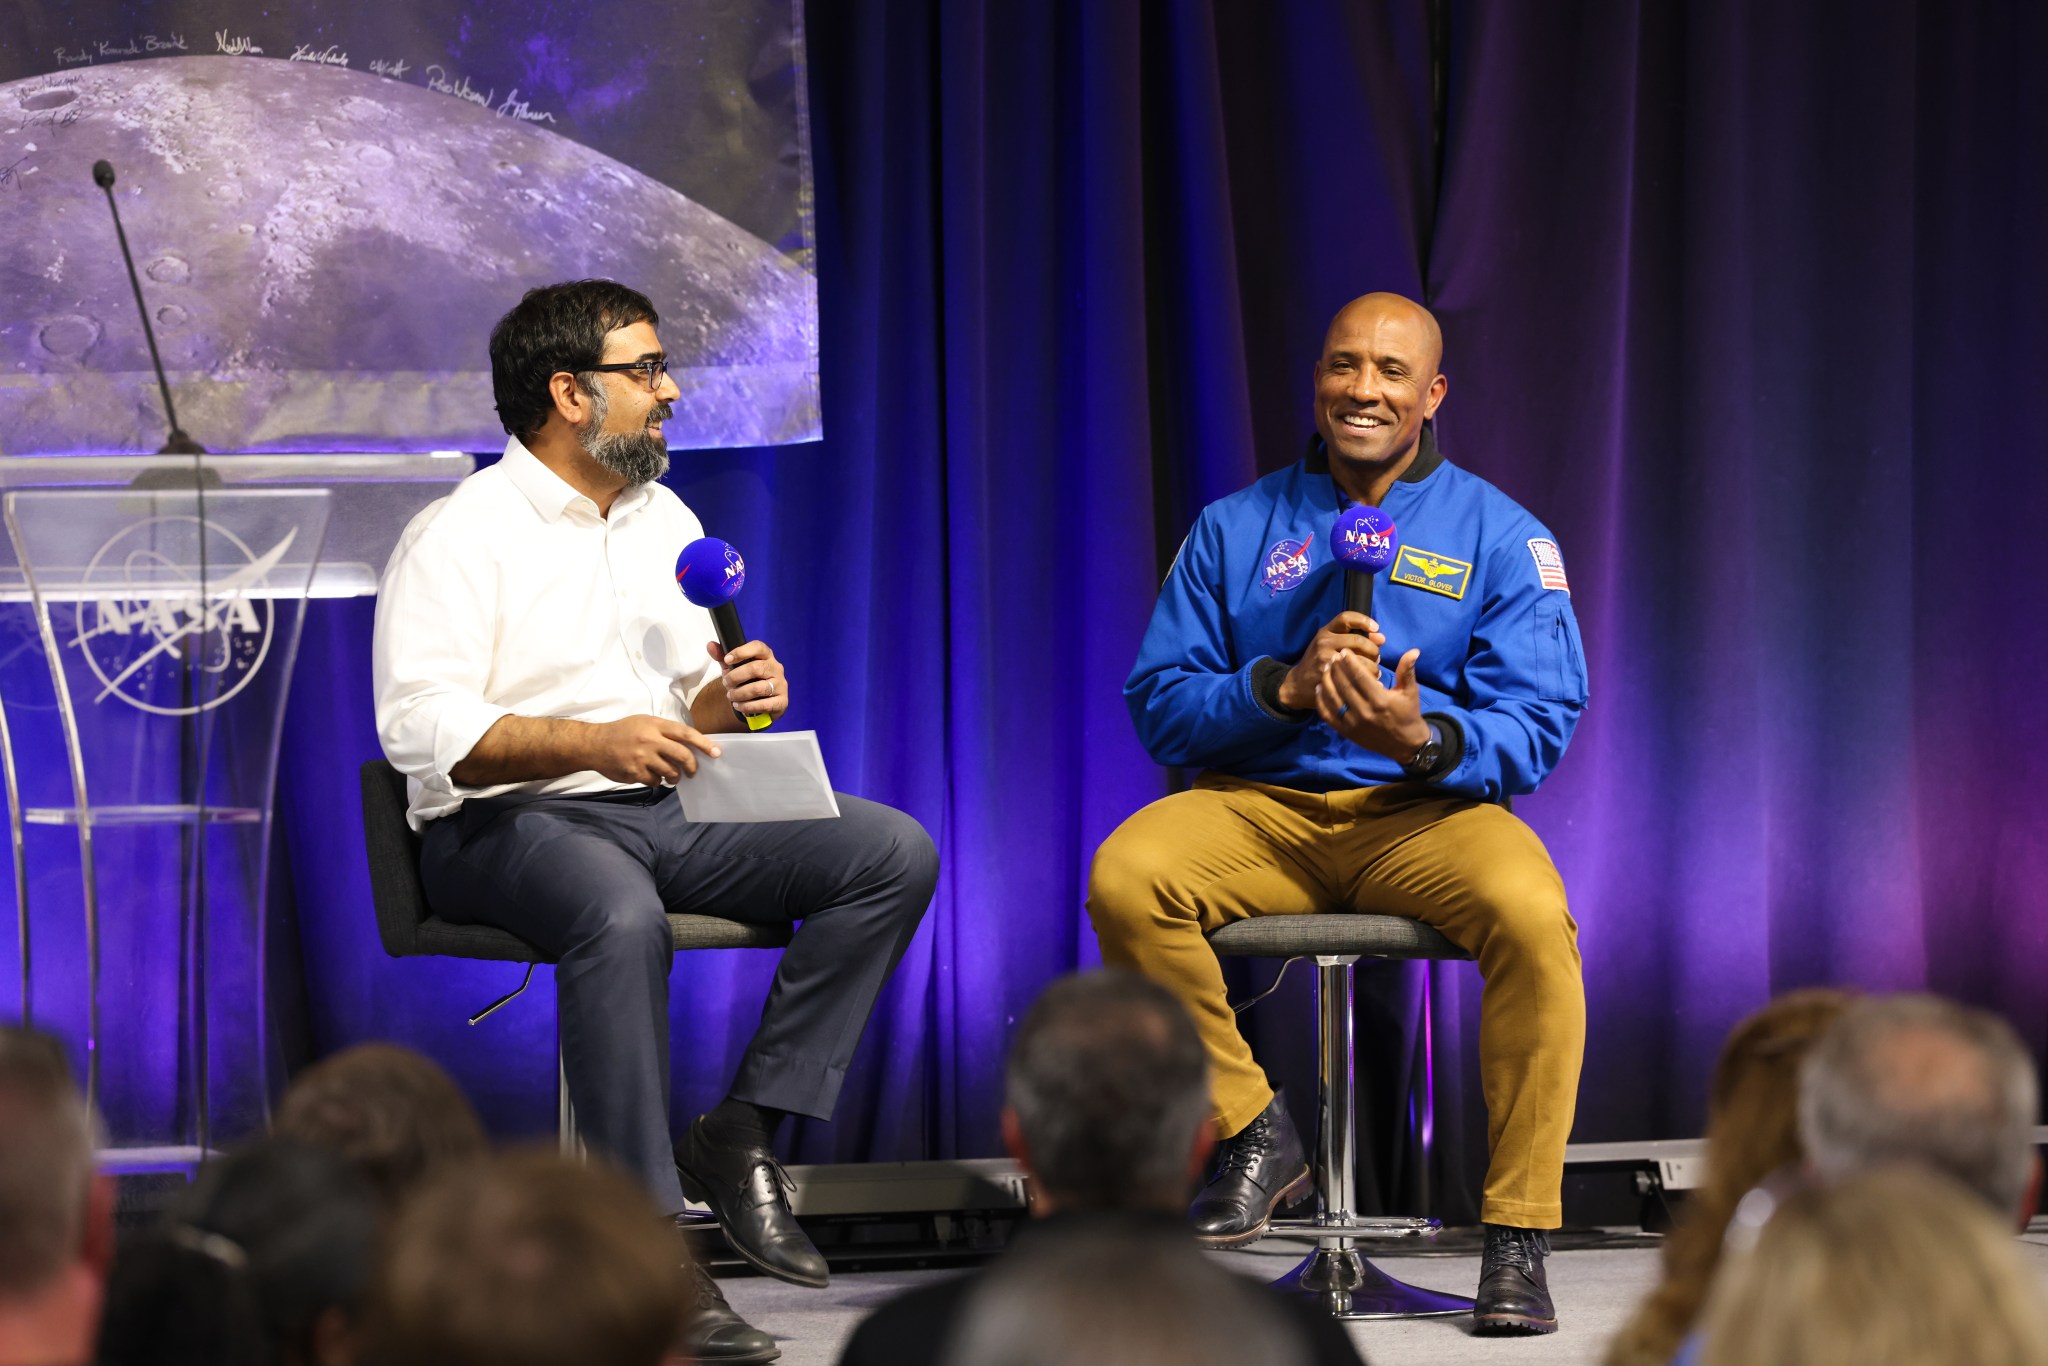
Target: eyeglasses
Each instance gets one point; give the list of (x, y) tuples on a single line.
[(650, 371)]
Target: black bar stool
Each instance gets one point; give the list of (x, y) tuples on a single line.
[(1335, 1277)]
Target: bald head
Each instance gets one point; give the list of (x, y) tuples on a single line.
[(1369, 313), (1377, 382)]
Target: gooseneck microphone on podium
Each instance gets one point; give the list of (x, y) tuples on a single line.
[(1366, 543), (179, 443), (711, 574)]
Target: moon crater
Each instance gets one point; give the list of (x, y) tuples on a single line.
[(70, 336)]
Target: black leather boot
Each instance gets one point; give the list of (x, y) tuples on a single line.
[(1514, 1297), (1258, 1169)]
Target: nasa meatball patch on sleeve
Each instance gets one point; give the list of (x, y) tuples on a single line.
[(1549, 564)]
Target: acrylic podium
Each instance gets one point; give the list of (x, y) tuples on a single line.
[(149, 620)]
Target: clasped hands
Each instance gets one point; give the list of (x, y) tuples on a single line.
[(1338, 677), (653, 750)]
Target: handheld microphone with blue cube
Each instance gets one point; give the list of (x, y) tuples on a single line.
[(711, 574)]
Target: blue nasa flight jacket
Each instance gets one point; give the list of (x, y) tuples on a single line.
[(1478, 588)]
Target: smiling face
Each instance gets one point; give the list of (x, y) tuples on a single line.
[(623, 431), (1376, 383)]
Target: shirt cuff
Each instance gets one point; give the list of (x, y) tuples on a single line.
[(460, 724)]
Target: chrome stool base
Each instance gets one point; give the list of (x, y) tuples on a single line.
[(1334, 1278), (1344, 1285)]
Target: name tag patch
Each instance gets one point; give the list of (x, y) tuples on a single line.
[(1434, 573), (1549, 564)]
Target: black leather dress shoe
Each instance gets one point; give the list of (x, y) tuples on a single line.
[(747, 1189), (715, 1332), (1514, 1296), (1258, 1170)]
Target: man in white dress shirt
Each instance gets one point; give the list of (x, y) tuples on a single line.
[(542, 683)]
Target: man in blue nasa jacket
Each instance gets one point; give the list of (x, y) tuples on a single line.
[(1331, 782)]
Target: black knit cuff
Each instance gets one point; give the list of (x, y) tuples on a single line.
[(1266, 675)]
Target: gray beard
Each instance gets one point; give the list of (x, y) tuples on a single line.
[(638, 459)]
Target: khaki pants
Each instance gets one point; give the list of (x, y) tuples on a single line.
[(1229, 848)]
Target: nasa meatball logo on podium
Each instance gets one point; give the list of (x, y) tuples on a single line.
[(169, 631)]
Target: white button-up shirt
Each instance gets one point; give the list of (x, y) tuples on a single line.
[(512, 595)]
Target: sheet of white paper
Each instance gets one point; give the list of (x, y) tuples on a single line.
[(761, 776)]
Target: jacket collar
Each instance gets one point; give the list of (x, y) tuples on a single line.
[(1427, 457)]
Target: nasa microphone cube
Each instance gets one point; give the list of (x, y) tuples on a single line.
[(1364, 542), (711, 573)]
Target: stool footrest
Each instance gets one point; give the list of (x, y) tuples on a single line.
[(1354, 1226), (1344, 1285)]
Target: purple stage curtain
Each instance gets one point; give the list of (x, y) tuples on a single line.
[(1751, 304), (1749, 312)]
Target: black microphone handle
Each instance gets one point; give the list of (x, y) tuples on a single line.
[(726, 619), (1357, 592)]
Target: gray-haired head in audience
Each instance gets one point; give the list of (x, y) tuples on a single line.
[(1918, 1079), (1108, 1094), (1127, 1296)]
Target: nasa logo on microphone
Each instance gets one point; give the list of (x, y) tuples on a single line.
[(158, 639), (1368, 541), (1364, 538), (1286, 565), (735, 571)]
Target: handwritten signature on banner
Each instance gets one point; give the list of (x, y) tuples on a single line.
[(438, 78), (132, 46), (48, 118), (511, 107)]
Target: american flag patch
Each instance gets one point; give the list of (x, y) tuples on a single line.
[(1549, 564)]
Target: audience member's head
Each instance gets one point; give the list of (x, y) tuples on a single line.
[(1108, 1095), (56, 1217), (182, 1297), (391, 1111), (528, 1260), (1752, 1131), (1914, 1078), (1891, 1267), (287, 1227), (1131, 1295)]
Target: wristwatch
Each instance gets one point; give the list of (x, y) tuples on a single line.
[(1428, 756)]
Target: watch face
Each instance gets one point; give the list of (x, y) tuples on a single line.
[(1426, 758)]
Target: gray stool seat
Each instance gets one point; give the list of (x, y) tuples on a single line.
[(1334, 1277), (450, 940), (1306, 936), (408, 927)]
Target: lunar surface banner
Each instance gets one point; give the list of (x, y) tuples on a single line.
[(331, 201)]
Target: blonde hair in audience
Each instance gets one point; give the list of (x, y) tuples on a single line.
[(1752, 1131), (1897, 1267)]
